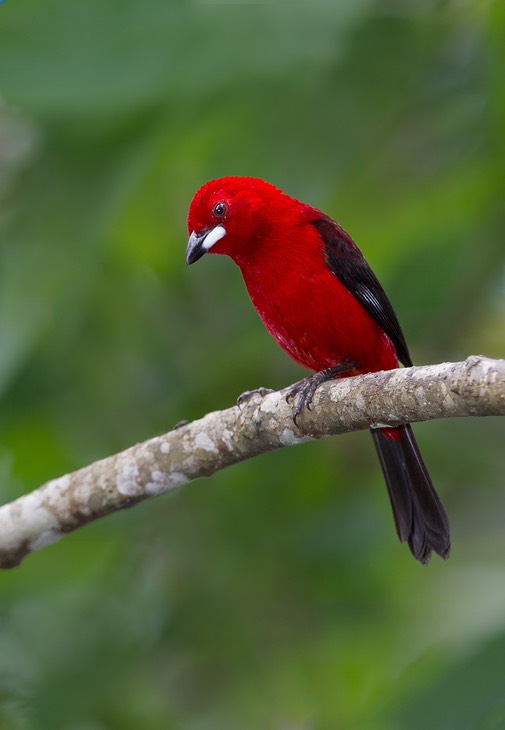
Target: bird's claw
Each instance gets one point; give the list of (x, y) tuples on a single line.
[(305, 389), (248, 394), (180, 424)]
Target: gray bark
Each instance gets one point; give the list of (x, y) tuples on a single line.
[(475, 387)]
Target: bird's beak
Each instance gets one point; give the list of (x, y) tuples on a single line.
[(200, 243)]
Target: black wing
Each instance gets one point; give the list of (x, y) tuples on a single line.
[(347, 262)]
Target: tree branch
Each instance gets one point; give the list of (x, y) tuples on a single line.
[(475, 387)]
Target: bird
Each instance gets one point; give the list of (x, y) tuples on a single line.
[(320, 300)]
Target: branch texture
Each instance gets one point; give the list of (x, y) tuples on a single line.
[(475, 387)]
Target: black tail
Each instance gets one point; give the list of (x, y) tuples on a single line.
[(420, 518)]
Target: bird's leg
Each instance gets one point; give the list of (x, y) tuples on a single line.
[(248, 394), (304, 390)]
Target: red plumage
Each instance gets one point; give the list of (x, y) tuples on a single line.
[(320, 301)]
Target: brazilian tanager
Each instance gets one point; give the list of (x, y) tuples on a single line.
[(321, 302)]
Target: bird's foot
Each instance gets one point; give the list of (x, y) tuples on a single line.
[(180, 424), (304, 390), (248, 394)]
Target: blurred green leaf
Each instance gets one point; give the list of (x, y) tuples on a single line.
[(274, 595)]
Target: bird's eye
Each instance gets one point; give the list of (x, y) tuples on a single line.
[(219, 210)]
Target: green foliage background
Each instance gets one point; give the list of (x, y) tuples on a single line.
[(274, 595)]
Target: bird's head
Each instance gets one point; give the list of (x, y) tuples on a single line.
[(230, 215)]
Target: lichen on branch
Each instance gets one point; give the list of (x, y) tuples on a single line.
[(475, 387)]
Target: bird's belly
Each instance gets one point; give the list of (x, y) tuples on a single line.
[(321, 326)]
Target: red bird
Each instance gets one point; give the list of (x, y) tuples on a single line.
[(321, 302)]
